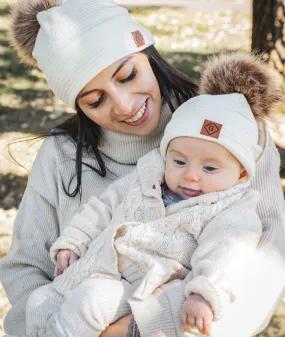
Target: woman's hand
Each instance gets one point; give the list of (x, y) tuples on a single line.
[(119, 328)]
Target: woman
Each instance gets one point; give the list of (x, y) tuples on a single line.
[(96, 59)]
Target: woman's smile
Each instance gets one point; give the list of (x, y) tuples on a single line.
[(140, 117)]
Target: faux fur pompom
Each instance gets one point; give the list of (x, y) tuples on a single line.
[(245, 74), (25, 27)]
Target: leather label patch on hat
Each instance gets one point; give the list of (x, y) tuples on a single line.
[(138, 38), (211, 129)]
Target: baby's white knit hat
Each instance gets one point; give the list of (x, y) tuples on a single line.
[(80, 38), (223, 119)]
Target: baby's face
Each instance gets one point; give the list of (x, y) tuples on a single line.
[(196, 166)]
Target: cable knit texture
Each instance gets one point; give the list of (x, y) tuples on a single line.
[(46, 211)]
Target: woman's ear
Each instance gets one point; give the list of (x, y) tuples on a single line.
[(243, 176)]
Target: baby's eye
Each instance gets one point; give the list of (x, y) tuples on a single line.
[(179, 162), (209, 168)]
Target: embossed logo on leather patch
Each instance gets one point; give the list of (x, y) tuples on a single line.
[(211, 129), (138, 38)]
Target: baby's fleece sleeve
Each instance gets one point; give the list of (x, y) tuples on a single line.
[(91, 220), (223, 248)]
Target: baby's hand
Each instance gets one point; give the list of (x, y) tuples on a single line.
[(64, 258), (197, 312)]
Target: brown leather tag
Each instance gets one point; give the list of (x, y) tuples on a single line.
[(138, 38), (211, 129)]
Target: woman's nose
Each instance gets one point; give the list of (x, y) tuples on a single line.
[(192, 175), (122, 104)]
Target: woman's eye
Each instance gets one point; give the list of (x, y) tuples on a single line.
[(130, 77), (209, 168), (179, 162), (97, 103)]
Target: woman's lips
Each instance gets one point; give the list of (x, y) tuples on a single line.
[(143, 118), (190, 193)]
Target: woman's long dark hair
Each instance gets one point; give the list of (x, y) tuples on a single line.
[(175, 89)]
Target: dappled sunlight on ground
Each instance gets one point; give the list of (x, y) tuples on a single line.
[(196, 31)]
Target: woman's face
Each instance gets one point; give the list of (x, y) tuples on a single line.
[(125, 97)]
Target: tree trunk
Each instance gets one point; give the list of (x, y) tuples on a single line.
[(268, 31)]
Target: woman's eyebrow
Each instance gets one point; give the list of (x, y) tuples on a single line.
[(83, 94), (86, 93), (121, 66)]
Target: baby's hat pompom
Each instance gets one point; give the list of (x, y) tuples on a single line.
[(24, 26), (245, 74)]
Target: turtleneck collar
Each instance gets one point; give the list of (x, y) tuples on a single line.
[(127, 149)]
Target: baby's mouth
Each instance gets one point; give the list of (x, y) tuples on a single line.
[(190, 193)]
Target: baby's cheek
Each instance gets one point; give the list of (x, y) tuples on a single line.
[(170, 176), (211, 186), (171, 182), (219, 183)]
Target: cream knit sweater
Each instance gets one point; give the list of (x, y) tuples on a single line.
[(45, 211), (135, 236)]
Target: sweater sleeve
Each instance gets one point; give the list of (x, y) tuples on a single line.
[(51, 329), (271, 208), (223, 247), (27, 265)]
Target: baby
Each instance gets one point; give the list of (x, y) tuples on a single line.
[(185, 212)]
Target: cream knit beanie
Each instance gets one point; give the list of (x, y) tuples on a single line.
[(76, 40), (236, 91), (223, 119)]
